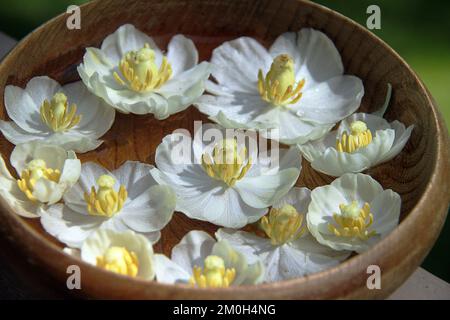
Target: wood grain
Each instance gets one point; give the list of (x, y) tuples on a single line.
[(420, 174)]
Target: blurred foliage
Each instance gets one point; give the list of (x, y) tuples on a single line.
[(419, 30)]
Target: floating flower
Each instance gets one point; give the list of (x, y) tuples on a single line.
[(68, 116), (45, 173), (296, 86), (125, 253), (284, 244), (131, 73), (225, 183), (125, 199), (200, 261), (352, 213), (362, 141)]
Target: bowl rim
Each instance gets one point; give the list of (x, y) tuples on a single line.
[(438, 181)]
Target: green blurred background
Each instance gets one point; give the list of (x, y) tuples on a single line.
[(419, 30)]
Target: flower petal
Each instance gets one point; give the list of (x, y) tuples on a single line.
[(68, 226), (182, 54), (100, 241), (402, 136), (96, 116), (23, 110), (22, 154), (168, 271), (299, 198), (127, 38), (192, 250), (16, 135), (13, 196), (263, 191), (150, 211), (74, 197), (245, 273), (331, 101), (237, 63), (335, 163)]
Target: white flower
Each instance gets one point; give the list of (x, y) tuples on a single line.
[(125, 199), (352, 213), (45, 173), (68, 116), (125, 253), (285, 246), (231, 191), (201, 261), (131, 73), (296, 86), (362, 141)]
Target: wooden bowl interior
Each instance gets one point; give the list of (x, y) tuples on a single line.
[(55, 51)]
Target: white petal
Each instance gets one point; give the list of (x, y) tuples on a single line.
[(380, 145), (221, 206), (96, 116), (150, 211), (23, 110), (294, 130), (287, 44), (237, 110), (15, 198), (335, 163), (74, 197), (299, 198), (360, 187), (288, 262), (70, 172), (263, 191), (245, 273), (127, 38), (22, 154), (385, 208), (183, 89), (402, 136), (73, 140), (237, 63), (374, 123), (68, 226), (250, 245), (320, 59), (168, 271), (331, 101), (42, 88), (16, 135), (47, 191), (100, 241), (192, 250), (182, 54), (135, 176), (303, 257)]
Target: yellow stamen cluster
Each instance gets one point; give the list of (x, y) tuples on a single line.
[(105, 201), (353, 222), (57, 115), (227, 163), (36, 170), (278, 86), (359, 137), (283, 225), (213, 275), (119, 260), (140, 71)]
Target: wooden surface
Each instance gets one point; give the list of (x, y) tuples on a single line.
[(419, 174)]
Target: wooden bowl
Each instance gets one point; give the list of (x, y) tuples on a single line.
[(420, 174)]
